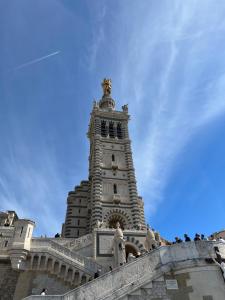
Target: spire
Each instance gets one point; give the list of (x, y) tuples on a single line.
[(107, 103)]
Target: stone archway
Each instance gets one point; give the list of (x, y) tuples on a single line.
[(114, 218), (130, 248), (136, 243), (117, 215)]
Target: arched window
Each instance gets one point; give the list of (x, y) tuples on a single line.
[(111, 130), (115, 188), (113, 219), (119, 131), (103, 129), (113, 157)]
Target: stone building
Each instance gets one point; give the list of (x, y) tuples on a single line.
[(110, 193), (106, 250)]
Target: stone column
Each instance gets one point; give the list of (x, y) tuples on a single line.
[(94, 245)]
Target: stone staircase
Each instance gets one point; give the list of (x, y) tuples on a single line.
[(142, 277), (115, 284), (55, 259)]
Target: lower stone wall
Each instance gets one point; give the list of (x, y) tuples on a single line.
[(32, 283), (198, 283), (8, 280), (16, 285), (53, 285)]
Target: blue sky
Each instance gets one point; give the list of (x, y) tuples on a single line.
[(166, 60)]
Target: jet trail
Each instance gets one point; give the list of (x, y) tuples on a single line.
[(36, 60)]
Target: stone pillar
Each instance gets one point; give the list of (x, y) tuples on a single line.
[(46, 261), (94, 245)]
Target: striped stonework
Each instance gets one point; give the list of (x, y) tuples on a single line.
[(110, 194)]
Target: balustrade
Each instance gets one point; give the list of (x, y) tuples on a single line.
[(53, 257)]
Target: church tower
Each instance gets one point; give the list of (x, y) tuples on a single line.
[(110, 194)]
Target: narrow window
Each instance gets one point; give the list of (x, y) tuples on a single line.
[(119, 131), (111, 130), (79, 200), (21, 231), (6, 243), (113, 157), (78, 232), (115, 189), (103, 129), (79, 211), (78, 222)]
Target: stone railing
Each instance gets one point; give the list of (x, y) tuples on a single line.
[(79, 243), (46, 245), (118, 283), (112, 284), (38, 243), (86, 262)]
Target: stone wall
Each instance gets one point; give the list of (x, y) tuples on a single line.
[(16, 285), (177, 272), (8, 280), (32, 283)]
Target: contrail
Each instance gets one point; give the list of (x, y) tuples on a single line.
[(36, 60)]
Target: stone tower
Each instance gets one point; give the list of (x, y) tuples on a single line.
[(110, 194)]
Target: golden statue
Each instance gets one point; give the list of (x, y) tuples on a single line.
[(107, 86)]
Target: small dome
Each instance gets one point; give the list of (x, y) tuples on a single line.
[(107, 103)]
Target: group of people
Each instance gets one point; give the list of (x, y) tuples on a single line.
[(198, 237)]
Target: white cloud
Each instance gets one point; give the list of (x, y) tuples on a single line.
[(171, 85), (31, 184)]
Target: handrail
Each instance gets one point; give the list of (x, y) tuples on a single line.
[(88, 263), (151, 255), (90, 266), (120, 281), (80, 242)]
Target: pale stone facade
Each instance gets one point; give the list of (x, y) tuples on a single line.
[(92, 242)]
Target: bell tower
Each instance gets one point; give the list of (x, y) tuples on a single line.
[(114, 195), (110, 194)]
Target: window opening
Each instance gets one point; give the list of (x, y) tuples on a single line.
[(113, 157), (78, 232), (103, 129), (21, 231), (111, 130), (119, 131), (6, 243), (115, 189), (78, 222)]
